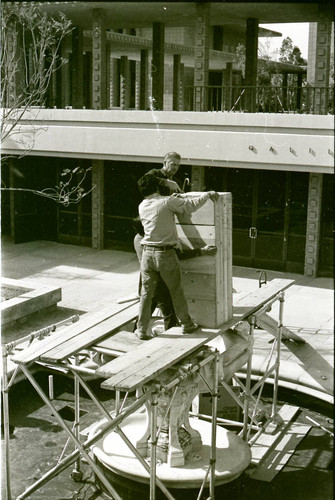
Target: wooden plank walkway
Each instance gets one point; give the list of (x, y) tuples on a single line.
[(143, 363), (276, 444), (75, 336), (135, 368)]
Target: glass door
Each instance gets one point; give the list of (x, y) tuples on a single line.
[(268, 231), (241, 185), (269, 216)]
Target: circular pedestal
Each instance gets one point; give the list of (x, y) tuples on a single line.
[(232, 455)]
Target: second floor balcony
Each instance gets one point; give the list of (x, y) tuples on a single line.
[(262, 99)]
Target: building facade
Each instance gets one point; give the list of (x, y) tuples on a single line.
[(141, 81)]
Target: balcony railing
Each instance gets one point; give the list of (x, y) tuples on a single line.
[(261, 99)]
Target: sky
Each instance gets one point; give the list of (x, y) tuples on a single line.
[(298, 32)]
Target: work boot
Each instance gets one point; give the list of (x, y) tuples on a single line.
[(142, 335), (189, 327)]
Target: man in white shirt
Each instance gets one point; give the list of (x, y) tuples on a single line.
[(159, 258)]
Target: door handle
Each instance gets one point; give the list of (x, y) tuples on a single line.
[(253, 233)]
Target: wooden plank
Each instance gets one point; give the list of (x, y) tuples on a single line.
[(137, 367), (270, 325), (94, 334), (145, 362), (281, 452), (121, 341), (39, 347), (251, 301), (273, 432), (270, 451)]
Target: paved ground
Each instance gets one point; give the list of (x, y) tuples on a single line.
[(90, 279)]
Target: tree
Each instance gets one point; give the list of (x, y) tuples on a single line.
[(291, 53), (30, 58), (30, 43)]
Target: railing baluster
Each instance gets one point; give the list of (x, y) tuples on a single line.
[(268, 99)]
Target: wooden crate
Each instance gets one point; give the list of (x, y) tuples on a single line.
[(207, 280)]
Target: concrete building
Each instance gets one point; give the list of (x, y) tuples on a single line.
[(147, 78)]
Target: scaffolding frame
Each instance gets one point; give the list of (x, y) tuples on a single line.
[(152, 394)]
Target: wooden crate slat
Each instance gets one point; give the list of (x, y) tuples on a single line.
[(203, 312), (215, 230), (37, 348), (87, 338), (204, 264), (199, 286), (196, 236), (204, 215), (224, 258)]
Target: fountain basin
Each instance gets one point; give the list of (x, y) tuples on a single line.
[(25, 298), (233, 455)]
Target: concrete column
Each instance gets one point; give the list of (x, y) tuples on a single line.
[(318, 68), (313, 224), (251, 45), (284, 90), (144, 79), (77, 69), (65, 75), (299, 88), (227, 83), (99, 69), (108, 76), (201, 52), (182, 88), (198, 178), (176, 82), (157, 67), (114, 82), (137, 84), (124, 83), (98, 218)]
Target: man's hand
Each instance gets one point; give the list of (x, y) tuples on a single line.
[(214, 196), (172, 185), (208, 250)]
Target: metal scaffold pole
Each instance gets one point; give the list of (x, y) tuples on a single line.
[(215, 396), (153, 449), (5, 403), (277, 363), (247, 385)]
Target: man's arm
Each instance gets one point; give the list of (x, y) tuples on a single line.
[(181, 204), (189, 253)]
